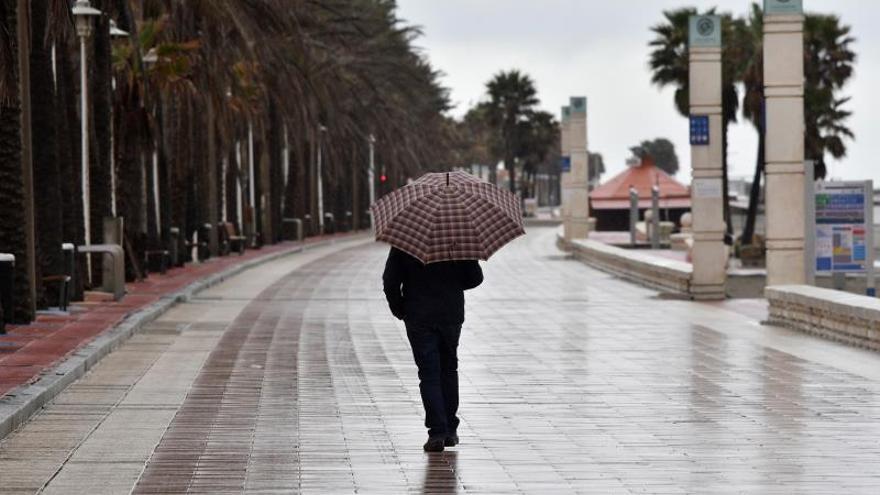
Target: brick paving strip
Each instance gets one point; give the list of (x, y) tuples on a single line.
[(38, 360), (293, 378)]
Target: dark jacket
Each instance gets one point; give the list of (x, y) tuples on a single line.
[(432, 293)]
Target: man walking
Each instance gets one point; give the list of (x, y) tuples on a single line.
[(430, 300)]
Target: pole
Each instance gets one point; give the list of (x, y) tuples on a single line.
[(252, 203), (371, 175), (655, 217), (871, 287), (84, 102), (633, 214), (156, 203), (320, 183), (809, 223)]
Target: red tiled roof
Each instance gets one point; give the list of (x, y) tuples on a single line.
[(614, 194)]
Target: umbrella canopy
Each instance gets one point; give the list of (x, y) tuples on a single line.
[(448, 216)]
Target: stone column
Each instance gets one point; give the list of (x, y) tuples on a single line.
[(709, 254), (784, 154), (576, 188), (565, 157)]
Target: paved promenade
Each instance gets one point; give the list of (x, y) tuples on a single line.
[(293, 378)]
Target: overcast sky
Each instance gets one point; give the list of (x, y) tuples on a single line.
[(598, 48)]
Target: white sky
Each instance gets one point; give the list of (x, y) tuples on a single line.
[(598, 48)]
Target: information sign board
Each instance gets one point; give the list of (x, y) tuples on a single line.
[(843, 236)]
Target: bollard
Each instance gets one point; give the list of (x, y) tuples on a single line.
[(174, 235), (292, 228), (310, 229), (329, 223), (7, 289), (655, 217), (633, 214), (204, 241), (69, 252)]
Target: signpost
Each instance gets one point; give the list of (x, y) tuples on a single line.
[(844, 229)]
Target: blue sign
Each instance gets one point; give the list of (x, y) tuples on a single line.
[(699, 130), (565, 162)]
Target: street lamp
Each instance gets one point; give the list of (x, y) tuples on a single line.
[(83, 12), (321, 131)]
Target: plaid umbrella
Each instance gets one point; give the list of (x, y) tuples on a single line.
[(448, 216)]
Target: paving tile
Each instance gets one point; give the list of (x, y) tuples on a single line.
[(572, 381)]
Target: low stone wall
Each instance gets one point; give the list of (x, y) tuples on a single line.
[(644, 269), (837, 315)]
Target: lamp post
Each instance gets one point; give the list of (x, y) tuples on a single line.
[(116, 33), (371, 174), (83, 12), (321, 131)]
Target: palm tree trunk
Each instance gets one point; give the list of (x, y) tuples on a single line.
[(48, 210), (99, 170), (754, 194), (725, 197), (67, 122), (13, 221)]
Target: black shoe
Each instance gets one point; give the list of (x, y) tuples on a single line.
[(451, 440), (434, 444)]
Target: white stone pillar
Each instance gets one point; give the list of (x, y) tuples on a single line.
[(565, 157), (576, 188), (709, 254), (784, 135)]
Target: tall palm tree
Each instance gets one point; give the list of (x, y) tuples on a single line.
[(13, 236), (828, 65), (512, 99), (46, 160), (670, 65)]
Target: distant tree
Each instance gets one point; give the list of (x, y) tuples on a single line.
[(597, 166), (661, 150), (539, 136), (512, 99)]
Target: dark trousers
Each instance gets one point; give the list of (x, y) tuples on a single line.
[(435, 349)]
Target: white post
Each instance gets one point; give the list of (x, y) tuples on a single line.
[(709, 254), (871, 286), (371, 175), (225, 166), (251, 185), (285, 165), (320, 182), (84, 102), (156, 204), (784, 135), (239, 199)]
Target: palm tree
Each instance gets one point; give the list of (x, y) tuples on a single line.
[(13, 236), (46, 160), (828, 65), (670, 65), (512, 98)]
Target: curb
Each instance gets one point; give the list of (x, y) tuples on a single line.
[(21, 403)]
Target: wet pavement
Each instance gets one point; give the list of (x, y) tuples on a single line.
[(294, 378)]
